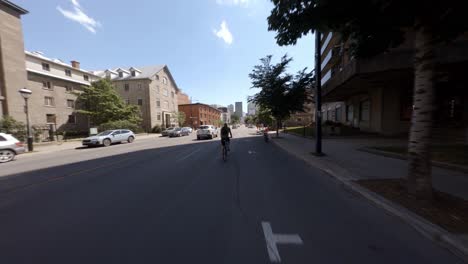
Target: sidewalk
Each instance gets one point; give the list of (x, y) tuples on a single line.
[(344, 162), (343, 155)]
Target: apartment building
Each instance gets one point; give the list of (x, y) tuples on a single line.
[(200, 114), (225, 115), (55, 85), (375, 94), (152, 88), (12, 66)]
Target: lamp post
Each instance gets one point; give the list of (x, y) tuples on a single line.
[(26, 93)]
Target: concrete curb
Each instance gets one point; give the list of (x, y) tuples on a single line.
[(443, 165), (424, 227)]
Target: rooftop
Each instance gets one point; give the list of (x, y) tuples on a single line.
[(13, 6), (40, 55)]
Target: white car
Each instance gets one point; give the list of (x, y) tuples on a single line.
[(207, 131), (9, 147), (108, 137)]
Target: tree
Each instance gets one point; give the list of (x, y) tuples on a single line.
[(235, 119), (102, 104), (374, 26), (281, 93), (248, 120), (264, 117), (9, 125), (181, 118)]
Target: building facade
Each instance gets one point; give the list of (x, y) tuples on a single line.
[(251, 109), (230, 109), (152, 89), (12, 61), (225, 115), (183, 98), (375, 94), (238, 110), (55, 85), (199, 114)]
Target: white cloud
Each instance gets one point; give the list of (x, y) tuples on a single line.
[(224, 33), (78, 15), (242, 3)]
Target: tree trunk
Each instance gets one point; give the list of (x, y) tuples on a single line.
[(277, 127), (419, 178)]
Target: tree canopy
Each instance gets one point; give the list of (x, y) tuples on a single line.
[(235, 119), (281, 93), (373, 25), (102, 104)]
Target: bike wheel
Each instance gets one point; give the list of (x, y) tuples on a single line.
[(224, 153)]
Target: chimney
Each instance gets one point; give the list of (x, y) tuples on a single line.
[(75, 64)]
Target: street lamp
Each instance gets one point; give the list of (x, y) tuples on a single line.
[(318, 96), (26, 93)]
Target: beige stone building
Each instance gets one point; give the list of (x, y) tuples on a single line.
[(12, 66), (152, 88), (54, 85)]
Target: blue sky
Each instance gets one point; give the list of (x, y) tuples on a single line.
[(210, 46)]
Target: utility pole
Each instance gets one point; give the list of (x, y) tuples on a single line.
[(318, 96)]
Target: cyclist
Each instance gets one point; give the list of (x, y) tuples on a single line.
[(225, 132)]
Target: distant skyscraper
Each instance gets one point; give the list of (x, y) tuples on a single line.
[(251, 109), (231, 109), (238, 111)]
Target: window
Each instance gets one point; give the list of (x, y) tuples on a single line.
[(68, 88), (47, 85), (364, 110), (127, 87), (172, 94), (140, 101), (166, 105), (127, 101), (120, 74), (406, 105), (165, 92), (2, 138), (158, 103), (164, 80), (70, 104), (68, 72), (50, 118), (133, 73), (349, 113), (157, 89), (158, 115), (157, 77), (338, 114), (71, 119), (49, 101), (86, 77), (139, 86), (45, 66)]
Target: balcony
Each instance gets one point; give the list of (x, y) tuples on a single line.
[(359, 75)]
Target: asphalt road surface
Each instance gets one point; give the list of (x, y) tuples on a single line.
[(162, 200)]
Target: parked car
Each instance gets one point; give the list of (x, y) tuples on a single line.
[(207, 132), (190, 130), (179, 132), (9, 147), (167, 131), (109, 137)]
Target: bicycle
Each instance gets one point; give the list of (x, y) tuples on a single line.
[(225, 148)]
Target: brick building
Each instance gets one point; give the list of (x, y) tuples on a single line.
[(200, 114), (183, 98)]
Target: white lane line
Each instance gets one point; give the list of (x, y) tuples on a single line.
[(190, 154), (273, 239)]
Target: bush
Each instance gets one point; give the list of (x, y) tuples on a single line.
[(120, 124), (71, 134), (157, 129), (9, 125)]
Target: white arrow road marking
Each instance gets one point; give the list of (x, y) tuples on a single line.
[(273, 239), (251, 152)]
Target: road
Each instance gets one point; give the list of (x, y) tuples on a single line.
[(163, 200)]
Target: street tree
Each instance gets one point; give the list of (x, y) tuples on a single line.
[(280, 93), (181, 118), (375, 26), (102, 104), (235, 119), (248, 120)]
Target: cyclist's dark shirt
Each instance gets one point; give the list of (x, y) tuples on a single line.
[(225, 131)]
